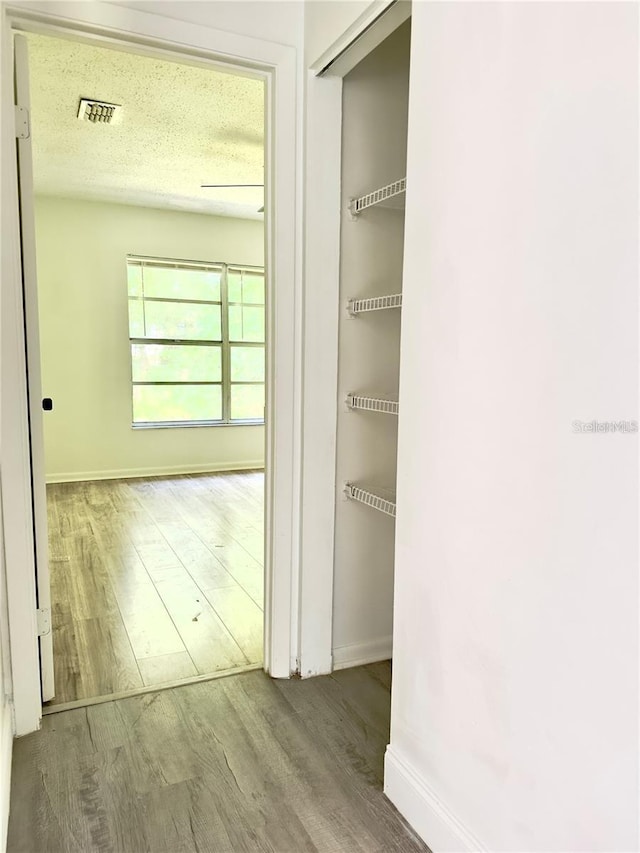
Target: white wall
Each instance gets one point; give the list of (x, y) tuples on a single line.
[(515, 683), (81, 252), (327, 22), (373, 154), (275, 20)]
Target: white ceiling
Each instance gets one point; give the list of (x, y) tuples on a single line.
[(180, 126)]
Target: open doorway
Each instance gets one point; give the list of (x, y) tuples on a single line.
[(151, 292)]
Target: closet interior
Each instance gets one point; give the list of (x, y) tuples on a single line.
[(374, 144)]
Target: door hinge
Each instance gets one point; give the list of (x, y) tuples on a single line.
[(43, 616), (22, 123)]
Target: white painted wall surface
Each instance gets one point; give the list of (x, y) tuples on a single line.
[(279, 21), (86, 369), (515, 683), (373, 154), (329, 22)]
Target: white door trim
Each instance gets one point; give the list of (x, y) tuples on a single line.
[(277, 64), (322, 186), (14, 445), (323, 153), (33, 362)]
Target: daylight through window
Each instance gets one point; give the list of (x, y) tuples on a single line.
[(197, 335)]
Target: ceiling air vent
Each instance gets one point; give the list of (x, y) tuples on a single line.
[(98, 111)]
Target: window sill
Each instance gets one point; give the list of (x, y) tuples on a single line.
[(191, 424)]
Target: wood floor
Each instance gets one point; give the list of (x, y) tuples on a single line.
[(154, 580), (241, 764)]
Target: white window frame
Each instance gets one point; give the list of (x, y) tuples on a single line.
[(224, 342)]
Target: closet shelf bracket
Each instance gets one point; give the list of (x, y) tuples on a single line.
[(373, 303), (371, 404), (381, 499), (382, 194)]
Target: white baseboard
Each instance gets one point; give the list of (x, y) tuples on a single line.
[(6, 751), (362, 653), (438, 827), (156, 471)]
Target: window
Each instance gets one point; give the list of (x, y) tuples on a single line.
[(197, 336)]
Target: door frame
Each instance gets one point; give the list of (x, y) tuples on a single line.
[(155, 35), (323, 194)]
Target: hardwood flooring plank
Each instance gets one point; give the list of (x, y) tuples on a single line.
[(66, 661), (262, 768), (159, 670), (63, 767), (160, 736), (239, 765), (360, 723), (115, 545), (205, 569), (253, 543), (158, 556), (152, 632), (204, 635), (246, 571), (136, 594), (105, 658), (229, 556), (83, 582), (241, 617), (381, 671)]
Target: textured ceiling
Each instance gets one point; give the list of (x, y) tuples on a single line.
[(180, 126)]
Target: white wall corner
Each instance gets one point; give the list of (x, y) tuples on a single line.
[(438, 827), (360, 654)]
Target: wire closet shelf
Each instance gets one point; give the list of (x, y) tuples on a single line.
[(372, 404), (374, 303), (383, 500), (357, 205)]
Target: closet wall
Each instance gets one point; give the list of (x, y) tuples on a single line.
[(374, 141), (514, 722)]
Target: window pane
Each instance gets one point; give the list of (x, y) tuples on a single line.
[(187, 322), (161, 363), (247, 364), (166, 283), (246, 324), (136, 318), (177, 403), (134, 279), (246, 287), (247, 402)]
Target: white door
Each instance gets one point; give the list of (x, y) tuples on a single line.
[(34, 385)]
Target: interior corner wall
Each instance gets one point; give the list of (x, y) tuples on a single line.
[(514, 722), (373, 154), (81, 249)]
